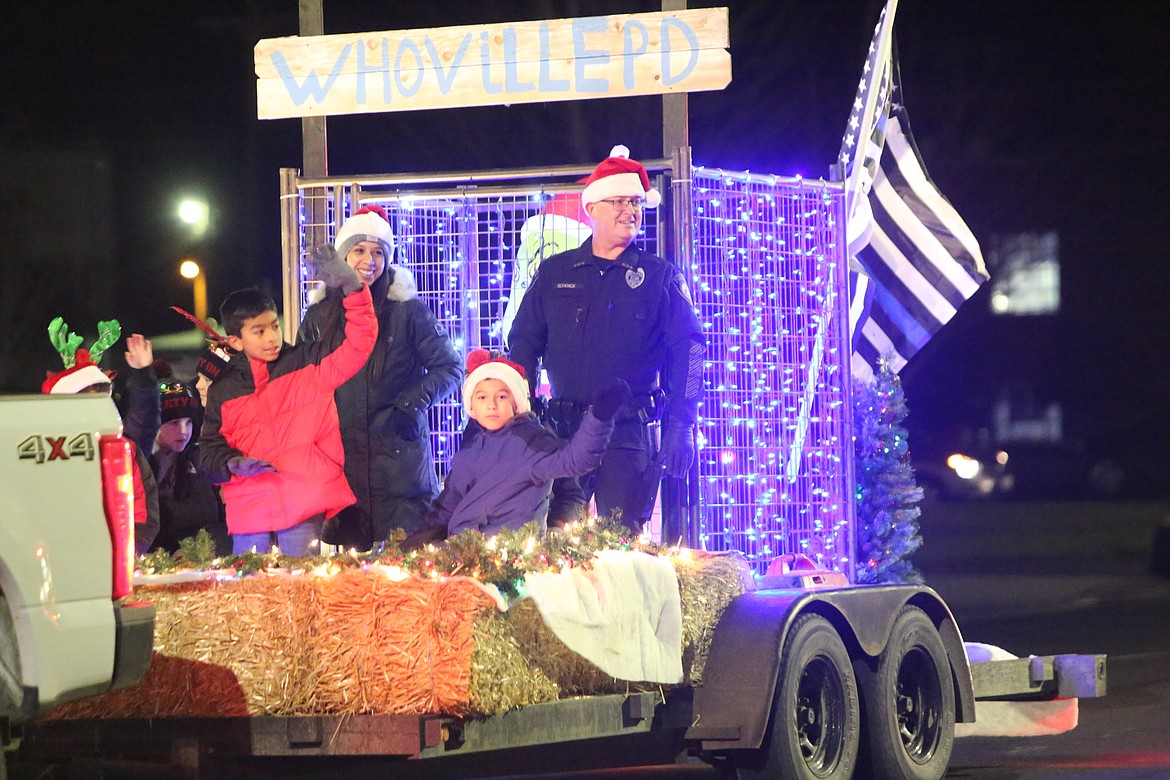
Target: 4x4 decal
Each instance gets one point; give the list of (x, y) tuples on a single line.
[(42, 449)]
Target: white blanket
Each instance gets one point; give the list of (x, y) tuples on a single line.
[(623, 615), (1015, 718)]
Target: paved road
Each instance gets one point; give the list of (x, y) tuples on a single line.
[(1063, 578)]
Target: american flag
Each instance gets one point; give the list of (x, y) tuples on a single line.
[(914, 260)]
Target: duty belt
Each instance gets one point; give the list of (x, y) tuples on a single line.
[(564, 416)]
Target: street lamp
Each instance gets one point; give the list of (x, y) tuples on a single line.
[(195, 212), (189, 269)]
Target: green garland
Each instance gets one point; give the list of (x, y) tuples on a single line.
[(501, 560), (887, 494)]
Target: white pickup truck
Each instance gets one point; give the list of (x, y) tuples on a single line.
[(67, 628)]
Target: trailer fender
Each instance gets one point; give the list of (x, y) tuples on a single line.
[(732, 706)]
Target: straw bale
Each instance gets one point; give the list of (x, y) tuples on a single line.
[(359, 642), (501, 677), (356, 642), (262, 628), (707, 583), (396, 647)]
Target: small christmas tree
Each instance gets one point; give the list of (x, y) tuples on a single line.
[(887, 496)]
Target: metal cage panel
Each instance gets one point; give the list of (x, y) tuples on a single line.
[(767, 269)]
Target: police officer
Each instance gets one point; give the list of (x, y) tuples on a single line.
[(605, 310)]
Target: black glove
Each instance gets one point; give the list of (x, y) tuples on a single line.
[(678, 448), (540, 408), (326, 266), (243, 466), (610, 398), (428, 534), (405, 423)]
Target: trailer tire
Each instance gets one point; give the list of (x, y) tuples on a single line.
[(815, 725), (909, 704)]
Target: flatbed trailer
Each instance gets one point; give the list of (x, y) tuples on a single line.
[(800, 682)]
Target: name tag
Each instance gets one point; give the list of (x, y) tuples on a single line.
[(567, 285)]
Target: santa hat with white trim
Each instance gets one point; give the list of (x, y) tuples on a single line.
[(369, 223), (81, 365), (481, 365), (619, 176), (83, 374)]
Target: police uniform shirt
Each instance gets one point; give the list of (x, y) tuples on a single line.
[(591, 319)]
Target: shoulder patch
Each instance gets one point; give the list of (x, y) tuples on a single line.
[(681, 284)]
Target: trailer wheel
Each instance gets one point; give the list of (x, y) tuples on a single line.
[(815, 725), (909, 704)]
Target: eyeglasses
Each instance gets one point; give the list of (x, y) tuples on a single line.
[(625, 204)]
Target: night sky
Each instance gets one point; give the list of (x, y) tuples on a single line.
[(1030, 116)]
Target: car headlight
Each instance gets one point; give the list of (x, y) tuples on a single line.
[(964, 467)]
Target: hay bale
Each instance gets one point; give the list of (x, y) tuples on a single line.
[(707, 583), (396, 647), (359, 641), (355, 642), (244, 625), (502, 678)]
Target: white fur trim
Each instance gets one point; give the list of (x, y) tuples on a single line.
[(317, 294), (79, 380), (403, 288), (494, 369), (619, 185)]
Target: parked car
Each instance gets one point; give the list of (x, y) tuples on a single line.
[(1022, 470), (961, 473)]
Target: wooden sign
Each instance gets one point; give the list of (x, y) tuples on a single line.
[(497, 64)]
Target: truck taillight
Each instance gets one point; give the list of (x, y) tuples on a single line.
[(118, 500)]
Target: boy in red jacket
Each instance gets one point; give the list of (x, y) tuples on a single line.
[(270, 434)]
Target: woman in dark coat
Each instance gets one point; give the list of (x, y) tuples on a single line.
[(383, 409)]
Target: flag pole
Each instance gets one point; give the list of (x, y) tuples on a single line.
[(871, 81)]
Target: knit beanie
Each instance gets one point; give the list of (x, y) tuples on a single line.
[(176, 399), (619, 176), (369, 223), (481, 365), (212, 361)]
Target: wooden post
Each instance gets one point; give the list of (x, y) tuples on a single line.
[(675, 130), (315, 163), (314, 143)]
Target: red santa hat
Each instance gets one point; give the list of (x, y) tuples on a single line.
[(481, 365), (84, 373), (81, 365), (369, 223), (567, 205), (619, 176)]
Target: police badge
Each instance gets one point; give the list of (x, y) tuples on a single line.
[(635, 277)]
